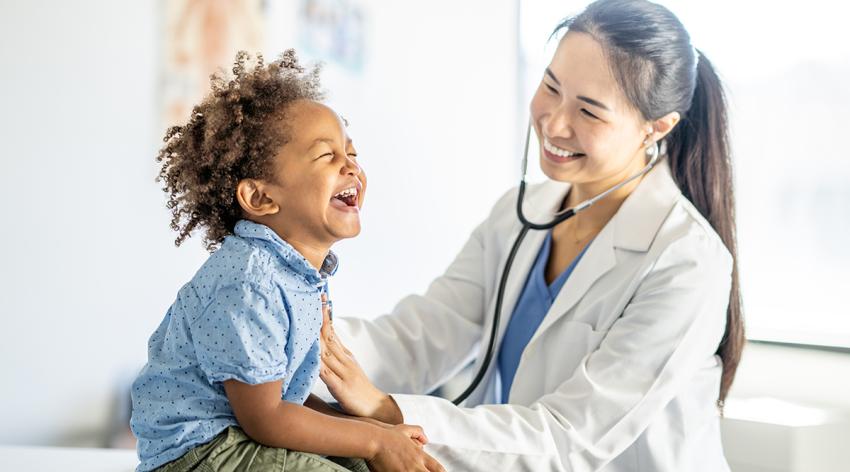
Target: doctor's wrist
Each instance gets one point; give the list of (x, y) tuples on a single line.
[(388, 411)]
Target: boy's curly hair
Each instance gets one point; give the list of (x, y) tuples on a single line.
[(232, 135)]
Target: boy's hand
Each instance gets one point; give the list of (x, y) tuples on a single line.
[(413, 432), (346, 380), (400, 449)]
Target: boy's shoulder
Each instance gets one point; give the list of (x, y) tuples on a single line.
[(238, 261), (238, 266)]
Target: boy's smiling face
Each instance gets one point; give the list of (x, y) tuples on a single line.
[(316, 191)]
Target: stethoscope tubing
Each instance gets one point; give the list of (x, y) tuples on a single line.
[(527, 225)]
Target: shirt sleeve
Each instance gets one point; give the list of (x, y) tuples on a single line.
[(241, 336)]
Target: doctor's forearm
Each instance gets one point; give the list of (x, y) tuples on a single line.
[(388, 411), (315, 403)]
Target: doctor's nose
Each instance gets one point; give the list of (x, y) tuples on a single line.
[(557, 125)]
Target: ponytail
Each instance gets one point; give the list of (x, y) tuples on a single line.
[(700, 161)]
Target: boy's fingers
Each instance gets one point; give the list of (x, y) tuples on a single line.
[(432, 464)]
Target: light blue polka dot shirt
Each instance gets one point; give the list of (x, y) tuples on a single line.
[(251, 313)]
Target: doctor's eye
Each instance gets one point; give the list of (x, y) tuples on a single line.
[(550, 88), (589, 114)]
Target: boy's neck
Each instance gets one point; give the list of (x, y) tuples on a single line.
[(315, 252), (314, 255)]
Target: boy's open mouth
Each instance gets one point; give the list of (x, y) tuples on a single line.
[(348, 196)]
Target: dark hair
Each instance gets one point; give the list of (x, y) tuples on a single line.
[(232, 135), (659, 71)]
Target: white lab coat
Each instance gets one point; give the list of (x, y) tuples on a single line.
[(620, 376)]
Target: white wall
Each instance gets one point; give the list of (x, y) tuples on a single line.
[(88, 266), (85, 252)]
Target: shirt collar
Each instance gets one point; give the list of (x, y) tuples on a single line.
[(250, 230)]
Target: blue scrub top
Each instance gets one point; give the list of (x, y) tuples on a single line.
[(533, 304)]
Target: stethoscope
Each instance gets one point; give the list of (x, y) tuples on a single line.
[(653, 154)]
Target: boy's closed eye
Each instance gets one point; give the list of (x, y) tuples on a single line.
[(331, 155)]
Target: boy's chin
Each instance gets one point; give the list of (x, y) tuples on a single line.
[(345, 232), (342, 224)]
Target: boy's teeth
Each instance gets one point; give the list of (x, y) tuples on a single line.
[(347, 193), (558, 151)]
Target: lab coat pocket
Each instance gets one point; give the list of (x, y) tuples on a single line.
[(567, 344), (552, 358)]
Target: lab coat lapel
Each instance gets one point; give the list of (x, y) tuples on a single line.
[(596, 262), (539, 207), (633, 227), (541, 204)]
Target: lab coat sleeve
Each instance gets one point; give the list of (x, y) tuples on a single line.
[(428, 338), (665, 335)]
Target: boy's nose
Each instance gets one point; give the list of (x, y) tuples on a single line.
[(351, 167)]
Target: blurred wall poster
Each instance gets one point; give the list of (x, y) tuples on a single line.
[(333, 31), (201, 36)]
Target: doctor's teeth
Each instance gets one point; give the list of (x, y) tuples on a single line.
[(558, 151)]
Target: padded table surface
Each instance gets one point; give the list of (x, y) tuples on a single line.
[(31, 458)]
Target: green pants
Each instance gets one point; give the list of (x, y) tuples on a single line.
[(233, 450)]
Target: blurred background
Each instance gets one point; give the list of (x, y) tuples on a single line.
[(436, 94)]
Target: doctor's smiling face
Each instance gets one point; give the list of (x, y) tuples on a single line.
[(589, 132)]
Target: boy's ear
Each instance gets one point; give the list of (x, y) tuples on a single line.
[(252, 197)]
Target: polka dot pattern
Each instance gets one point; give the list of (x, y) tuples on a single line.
[(251, 313)]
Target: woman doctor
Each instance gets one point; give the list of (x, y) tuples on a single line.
[(621, 327)]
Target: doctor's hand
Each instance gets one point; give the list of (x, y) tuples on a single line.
[(348, 383)]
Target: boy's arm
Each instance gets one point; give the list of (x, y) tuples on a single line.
[(277, 423)]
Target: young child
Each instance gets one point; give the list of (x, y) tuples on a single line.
[(270, 175)]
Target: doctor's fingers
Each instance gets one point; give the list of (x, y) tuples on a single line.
[(330, 378), (332, 345), (332, 363), (327, 323), (327, 331)]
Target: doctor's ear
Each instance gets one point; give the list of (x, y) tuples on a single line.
[(658, 129), (253, 198)]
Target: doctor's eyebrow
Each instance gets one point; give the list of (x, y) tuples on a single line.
[(591, 101)]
